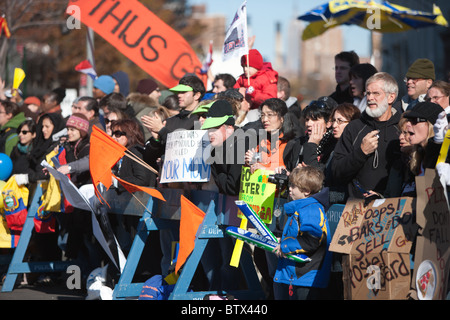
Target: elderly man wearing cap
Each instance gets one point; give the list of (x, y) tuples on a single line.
[(418, 79)]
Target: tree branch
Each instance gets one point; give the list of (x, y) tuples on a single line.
[(37, 24)]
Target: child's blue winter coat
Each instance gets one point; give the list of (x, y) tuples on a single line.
[(306, 231)]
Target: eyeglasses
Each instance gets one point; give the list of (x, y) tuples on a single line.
[(268, 115), (412, 79), (118, 133), (25, 131), (435, 98), (107, 121), (339, 121)]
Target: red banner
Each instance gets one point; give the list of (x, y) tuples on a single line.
[(141, 36)]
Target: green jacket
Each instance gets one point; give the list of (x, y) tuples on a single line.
[(8, 133)]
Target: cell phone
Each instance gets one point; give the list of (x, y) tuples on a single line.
[(359, 186)]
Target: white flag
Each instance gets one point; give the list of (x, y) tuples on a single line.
[(236, 39)]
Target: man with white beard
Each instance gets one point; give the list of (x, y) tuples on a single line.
[(369, 146)]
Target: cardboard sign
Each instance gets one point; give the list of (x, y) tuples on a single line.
[(141, 36), (431, 266), (376, 237), (257, 192), (183, 159)]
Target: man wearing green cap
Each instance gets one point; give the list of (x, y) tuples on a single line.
[(190, 91), (225, 165), (418, 80)]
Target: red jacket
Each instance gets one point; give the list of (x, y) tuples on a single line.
[(264, 82)]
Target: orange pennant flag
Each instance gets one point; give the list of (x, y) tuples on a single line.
[(190, 220), (104, 152), (133, 188)]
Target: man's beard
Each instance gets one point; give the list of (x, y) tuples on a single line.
[(380, 110)]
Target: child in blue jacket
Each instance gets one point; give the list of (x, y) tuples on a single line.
[(306, 231)]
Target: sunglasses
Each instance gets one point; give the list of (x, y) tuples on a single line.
[(119, 133), (417, 120), (25, 131)]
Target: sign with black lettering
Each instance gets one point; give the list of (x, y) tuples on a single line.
[(141, 36)]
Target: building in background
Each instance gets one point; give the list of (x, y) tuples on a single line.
[(400, 50)]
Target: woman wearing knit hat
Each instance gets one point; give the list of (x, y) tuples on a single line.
[(259, 81), (77, 145)]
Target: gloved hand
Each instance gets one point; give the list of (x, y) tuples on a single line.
[(440, 127), (21, 178), (443, 169)]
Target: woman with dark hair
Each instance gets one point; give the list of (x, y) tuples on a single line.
[(275, 149), (20, 153), (77, 146), (340, 118), (358, 77), (317, 145), (49, 125), (127, 133)]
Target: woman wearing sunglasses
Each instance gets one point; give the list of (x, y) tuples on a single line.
[(128, 133), (419, 129), (20, 153)]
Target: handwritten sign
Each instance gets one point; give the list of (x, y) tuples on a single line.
[(141, 36), (258, 193), (183, 160), (431, 266), (379, 236)]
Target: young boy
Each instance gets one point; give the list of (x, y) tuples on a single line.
[(263, 79), (306, 231)]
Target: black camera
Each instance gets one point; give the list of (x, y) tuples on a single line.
[(280, 179)]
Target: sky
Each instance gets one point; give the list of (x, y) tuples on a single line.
[(264, 14)]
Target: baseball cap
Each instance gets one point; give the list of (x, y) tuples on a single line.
[(424, 110), (220, 112), (181, 88)]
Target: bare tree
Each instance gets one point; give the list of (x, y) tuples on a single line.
[(24, 15)]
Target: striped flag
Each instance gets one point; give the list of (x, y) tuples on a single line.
[(209, 60), (86, 67)]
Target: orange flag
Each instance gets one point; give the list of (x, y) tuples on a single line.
[(104, 152), (190, 220), (141, 36), (133, 188)]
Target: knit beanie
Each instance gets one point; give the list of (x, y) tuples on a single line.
[(255, 59), (80, 122), (105, 83), (421, 69), (146, 86)]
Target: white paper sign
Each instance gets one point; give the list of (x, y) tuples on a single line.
[(183, 159)]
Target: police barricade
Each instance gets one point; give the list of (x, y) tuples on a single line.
[(220, 210)]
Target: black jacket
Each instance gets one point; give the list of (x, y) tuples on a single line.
[(132, 171), (350, 163), (226, 165)]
